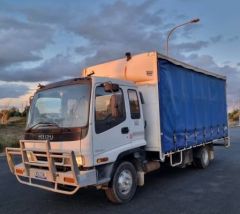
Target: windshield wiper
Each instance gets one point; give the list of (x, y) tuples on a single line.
[(44, 124)]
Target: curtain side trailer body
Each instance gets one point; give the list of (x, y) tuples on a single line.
[(184, 106)]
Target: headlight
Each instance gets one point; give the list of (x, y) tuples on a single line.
[(80, 160)]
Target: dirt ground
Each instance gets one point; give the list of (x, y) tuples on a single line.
[(11, 133)]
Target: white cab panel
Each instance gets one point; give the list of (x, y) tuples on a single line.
[(152, 116)]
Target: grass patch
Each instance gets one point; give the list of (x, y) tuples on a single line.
[(11, 133)]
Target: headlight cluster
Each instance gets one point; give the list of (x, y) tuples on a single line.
[(79, 160)]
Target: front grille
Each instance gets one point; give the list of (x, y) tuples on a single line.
[(39, 158)]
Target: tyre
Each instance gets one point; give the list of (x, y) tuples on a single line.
[(202, 157), (124, 183)]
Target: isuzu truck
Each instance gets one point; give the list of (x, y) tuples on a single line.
[(118, 121)]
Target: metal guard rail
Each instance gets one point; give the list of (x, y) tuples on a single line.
[(49, 166)]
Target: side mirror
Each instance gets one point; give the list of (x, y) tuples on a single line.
[(110, 87)]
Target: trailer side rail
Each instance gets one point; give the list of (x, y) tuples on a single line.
[(218, 142)]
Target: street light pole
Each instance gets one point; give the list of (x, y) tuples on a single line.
[(171, 31)]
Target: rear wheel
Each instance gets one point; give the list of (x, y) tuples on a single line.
[(202, 157), (124, 183)]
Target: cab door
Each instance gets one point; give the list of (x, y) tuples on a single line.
[(111, 125)]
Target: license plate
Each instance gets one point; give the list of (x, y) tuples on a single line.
[(40, 174)]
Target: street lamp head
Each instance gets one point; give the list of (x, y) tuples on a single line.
[(173, 29), (195, 20)]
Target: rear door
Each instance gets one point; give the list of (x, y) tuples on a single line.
[(136, 117)]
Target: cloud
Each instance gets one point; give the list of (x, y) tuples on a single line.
[(216, 39), (59, 14), (56, 68), (120, 29), (44, 12), (190, 46), (181, 17), (22, 41), (189, 30), (12, 90), (233, 39), (203, 61), (83, 50)]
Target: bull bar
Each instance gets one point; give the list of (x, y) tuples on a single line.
[(38, 171)]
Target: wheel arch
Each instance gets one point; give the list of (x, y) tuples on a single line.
[(135, 156)]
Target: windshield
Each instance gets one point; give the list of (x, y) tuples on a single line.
[(65, 106)]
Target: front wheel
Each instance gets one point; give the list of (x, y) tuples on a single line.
[(124, 183)]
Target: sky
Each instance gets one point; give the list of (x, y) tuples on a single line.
[(46, 41)]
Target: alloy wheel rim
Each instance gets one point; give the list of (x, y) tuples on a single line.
[(125, 182), (205, 156)]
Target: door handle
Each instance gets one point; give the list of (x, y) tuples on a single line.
[(125, 130)]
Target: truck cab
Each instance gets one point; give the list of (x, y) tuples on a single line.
[(86, 115), (76, 130)]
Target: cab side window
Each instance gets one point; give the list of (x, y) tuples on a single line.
[(109, 109), (134, 104)]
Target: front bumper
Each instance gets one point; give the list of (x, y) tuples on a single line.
[(46, 171)]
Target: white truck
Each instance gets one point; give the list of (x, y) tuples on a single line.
[(117, 122)]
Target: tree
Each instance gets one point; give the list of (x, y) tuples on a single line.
[(25, 111), (14, 112), (234, 115)]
